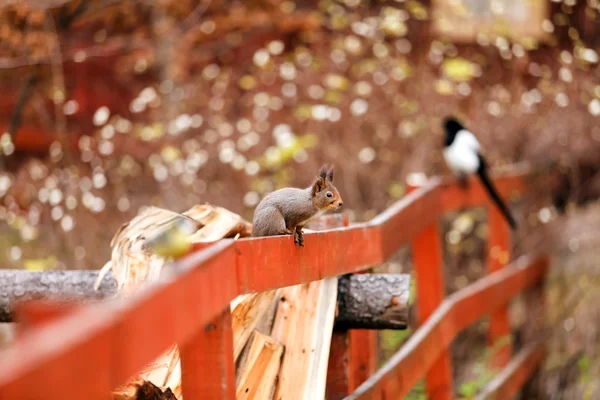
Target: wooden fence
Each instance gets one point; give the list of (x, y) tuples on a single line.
[(85, 351)]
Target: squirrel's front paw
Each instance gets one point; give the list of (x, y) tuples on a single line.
[(298, 238)]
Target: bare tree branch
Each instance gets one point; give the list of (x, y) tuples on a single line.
[(35, 4), (194, 16), (120, 45), (65, 19), (27, 88), (59, 88), (110, 48), (24, 95)]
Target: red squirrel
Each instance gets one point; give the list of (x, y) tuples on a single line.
[(286, 211)]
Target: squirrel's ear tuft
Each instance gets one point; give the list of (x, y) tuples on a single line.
[(330, 174), (323, 171), (318, 185), (321, 181)]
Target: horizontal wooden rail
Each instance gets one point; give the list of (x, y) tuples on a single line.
[(405, 368), (508, 382), (97, 347), (455, 198)]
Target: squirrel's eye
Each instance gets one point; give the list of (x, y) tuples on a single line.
[(329, 194)]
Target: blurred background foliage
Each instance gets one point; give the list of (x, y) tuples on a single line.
[(108, 106)]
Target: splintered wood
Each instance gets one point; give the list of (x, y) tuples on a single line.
[(257, 381), (281, 338), (246, 315), (299, 324), (304, 323), (264, 324), (134, 264)]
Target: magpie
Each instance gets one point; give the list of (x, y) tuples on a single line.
[(463, 157)]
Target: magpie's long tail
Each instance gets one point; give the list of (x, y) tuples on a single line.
[(482, 172)]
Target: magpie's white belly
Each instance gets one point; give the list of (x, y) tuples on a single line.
[(461, 160)]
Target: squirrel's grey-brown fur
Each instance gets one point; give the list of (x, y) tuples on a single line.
[(286, 211)]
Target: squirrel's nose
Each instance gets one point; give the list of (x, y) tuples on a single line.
[(340, 204)]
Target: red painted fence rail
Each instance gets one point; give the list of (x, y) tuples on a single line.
[(458, 311), (88, 351)]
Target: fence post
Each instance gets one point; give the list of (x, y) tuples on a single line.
[(207, 367), (498, 257), (353, 353), (352, 359), (337, 386), (427, 259), (535, 329), (363, 357)]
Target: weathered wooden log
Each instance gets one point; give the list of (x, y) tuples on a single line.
[(365, 301), (22, 285), (373, 301)]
